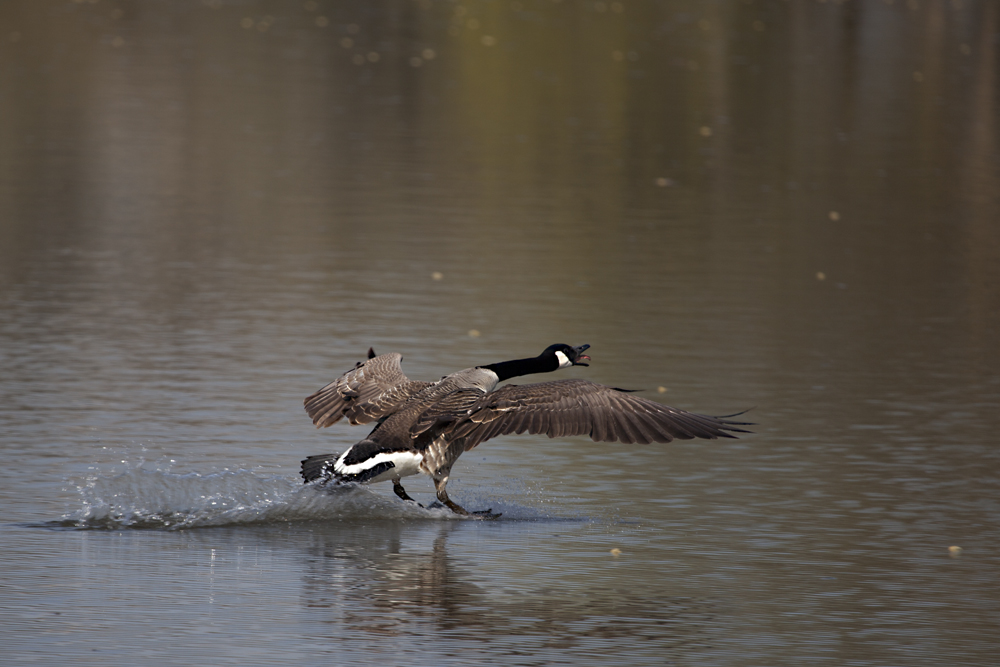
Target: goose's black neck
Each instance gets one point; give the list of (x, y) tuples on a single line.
[(512, 369)]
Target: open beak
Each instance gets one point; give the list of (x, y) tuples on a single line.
[(580, 356)]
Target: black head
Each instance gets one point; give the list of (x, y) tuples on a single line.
[(567, 355)]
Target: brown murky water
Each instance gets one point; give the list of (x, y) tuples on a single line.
[(210, 209)]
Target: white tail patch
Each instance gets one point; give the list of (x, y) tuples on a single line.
[(404, 463)]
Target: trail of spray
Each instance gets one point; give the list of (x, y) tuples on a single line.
[(153, 498)]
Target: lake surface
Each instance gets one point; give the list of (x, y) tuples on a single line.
[(208, 210)]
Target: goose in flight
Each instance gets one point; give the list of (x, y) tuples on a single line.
[(423, 427)]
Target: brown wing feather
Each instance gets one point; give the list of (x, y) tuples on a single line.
[(448, 409), (366, 393), (580, 407)]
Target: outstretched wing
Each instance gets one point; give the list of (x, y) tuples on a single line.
[(580, 407), (366, 393)]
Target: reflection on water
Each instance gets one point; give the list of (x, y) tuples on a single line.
[(210, 208), (416, 590), (362, 591)]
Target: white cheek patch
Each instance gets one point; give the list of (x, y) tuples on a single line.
[(563, 359)]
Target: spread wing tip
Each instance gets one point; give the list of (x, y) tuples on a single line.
[(724, 424)]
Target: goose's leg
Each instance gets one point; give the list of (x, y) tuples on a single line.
[(439, 485), (442, 495), (401, 492)]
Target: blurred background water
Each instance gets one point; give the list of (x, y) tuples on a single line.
[(210, 209)]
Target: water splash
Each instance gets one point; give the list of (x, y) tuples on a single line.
[(140, 497)]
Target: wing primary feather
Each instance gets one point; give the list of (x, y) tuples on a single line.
[(580, 407)]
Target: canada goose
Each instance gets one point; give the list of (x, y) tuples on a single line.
[(423, 427)]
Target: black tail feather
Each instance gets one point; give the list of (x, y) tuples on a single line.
[(318, 466)]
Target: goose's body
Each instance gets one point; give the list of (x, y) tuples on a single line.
[(423, 427)]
